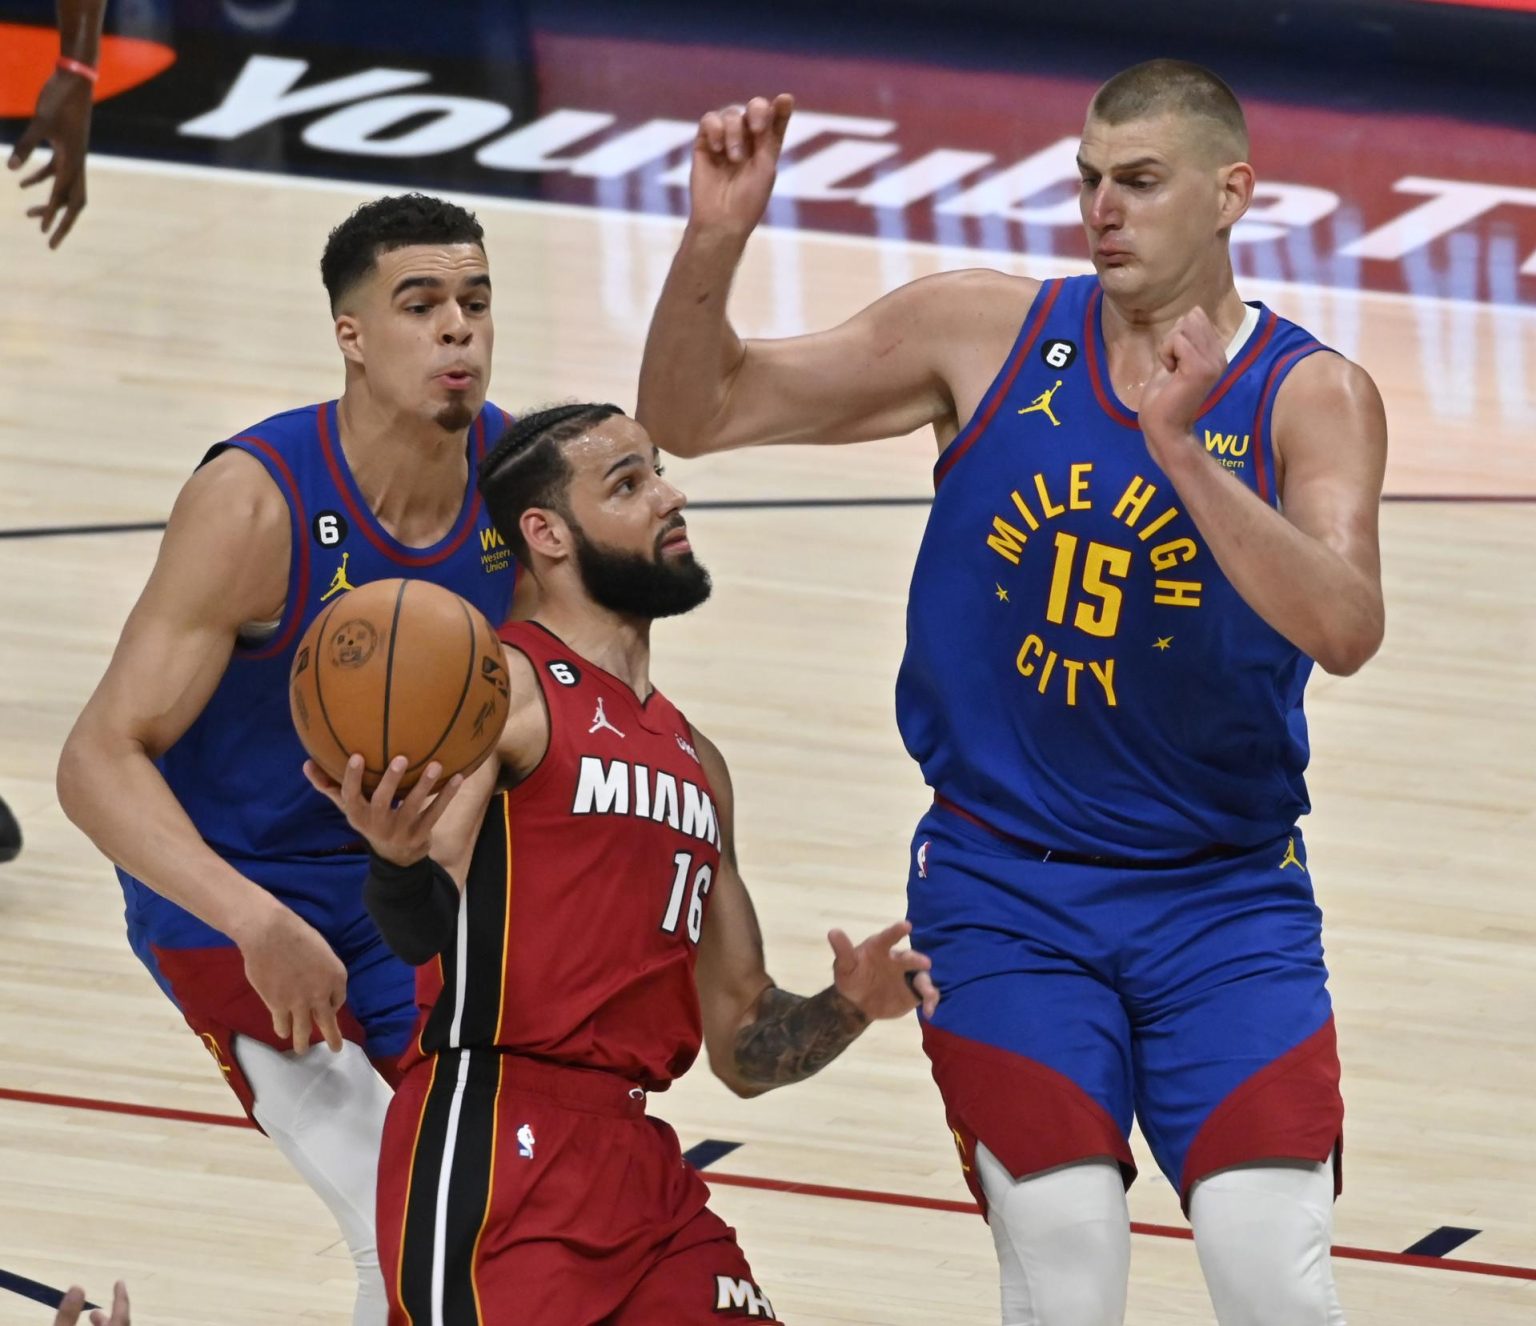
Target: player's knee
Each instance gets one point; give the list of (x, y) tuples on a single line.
[(1264, 1235), (1063, 1243)]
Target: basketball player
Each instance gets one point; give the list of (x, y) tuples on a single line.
[(1156, 507), (62, 119), (604, 932), (244, 887)]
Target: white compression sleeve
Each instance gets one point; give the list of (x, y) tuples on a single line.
[(1063, 1242), (1264, 1233), (326, 1113)]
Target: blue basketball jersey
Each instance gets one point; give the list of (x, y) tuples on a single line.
[(237, 769), (1079, 672)]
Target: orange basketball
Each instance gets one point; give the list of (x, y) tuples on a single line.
[(399, 667)]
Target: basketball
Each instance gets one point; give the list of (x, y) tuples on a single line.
[(398, 667)]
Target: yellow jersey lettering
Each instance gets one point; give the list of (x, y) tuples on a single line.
[(1157, 524), (1029, 516), (1225, 444), (1077, 486), (1073, 667), (1168, 555), (1178, 593), (1005, 540), (1045, 672), (1051, 509), (1134, 500), (1033, 646), (1061, 577), (1106, 675), (1103, 619)]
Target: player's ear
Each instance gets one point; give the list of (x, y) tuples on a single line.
[(1236, 183), (545, 532), (349, 338)]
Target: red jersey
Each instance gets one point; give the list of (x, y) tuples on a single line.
[(585, 898)]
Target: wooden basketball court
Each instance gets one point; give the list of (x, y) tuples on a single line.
[(188, 304)]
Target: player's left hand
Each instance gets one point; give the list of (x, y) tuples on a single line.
[(73, 1304), (873, 975), (62, 119), (1191, 360), (401, 832)]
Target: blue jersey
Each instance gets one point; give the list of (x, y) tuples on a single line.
[(1079, 673), (237, 770)]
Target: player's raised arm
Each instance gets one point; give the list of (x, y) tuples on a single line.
[(223, 563), (884, 372), (758, 1036)]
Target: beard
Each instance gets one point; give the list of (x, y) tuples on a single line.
[(454, 417), (635, 585)]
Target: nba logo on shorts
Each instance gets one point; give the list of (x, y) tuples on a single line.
[(525, 1142), (922, 861)]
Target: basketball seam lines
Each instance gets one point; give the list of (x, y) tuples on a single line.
[(389, 672), (469, 676), (320, 689)]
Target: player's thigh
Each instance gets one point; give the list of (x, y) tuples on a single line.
[(699, 1278), (1234, 1050), (1030, 1045)]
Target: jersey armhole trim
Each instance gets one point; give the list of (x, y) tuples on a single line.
[(1263, 448), (273, 462), (518, 790), (1034, 320)]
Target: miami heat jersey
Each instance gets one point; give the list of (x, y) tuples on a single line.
[(1079, 673), (238, 769), (586, 893)]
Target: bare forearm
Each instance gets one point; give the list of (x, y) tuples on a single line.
[(793, 1037), (691, 349), (116, 796), (1313, 596), (80, 29)]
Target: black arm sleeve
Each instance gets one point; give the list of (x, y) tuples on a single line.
[(416, 907)]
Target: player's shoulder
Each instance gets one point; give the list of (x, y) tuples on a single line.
[(977, 289), (1326, 381), (497, 420)]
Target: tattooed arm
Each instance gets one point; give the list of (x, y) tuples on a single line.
[(758, 1036)]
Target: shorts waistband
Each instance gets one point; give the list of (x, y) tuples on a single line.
[(1215, 852), (592, 1090)]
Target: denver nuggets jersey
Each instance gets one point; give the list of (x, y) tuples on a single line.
[(237, 770), (581, 917), (1079, 673)]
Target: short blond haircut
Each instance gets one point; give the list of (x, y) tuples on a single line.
[(1180, 88)]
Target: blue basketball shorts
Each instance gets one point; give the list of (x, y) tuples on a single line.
[(1074, 997)]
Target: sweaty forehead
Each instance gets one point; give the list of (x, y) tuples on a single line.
[(605, 444), (446, 262)]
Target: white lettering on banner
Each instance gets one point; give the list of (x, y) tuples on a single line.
[(805, 126), (1452, 203), (362, 106), (529, 148), (629, 151), (999, 196), (1278, 207), (261, 96), (457, 122), (925, 176)]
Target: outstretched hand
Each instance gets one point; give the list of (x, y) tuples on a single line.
[(62, 119), (873, 976), (735, 158)]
